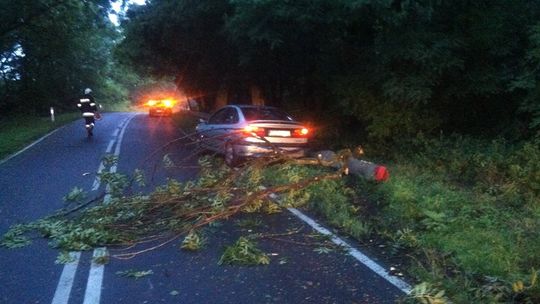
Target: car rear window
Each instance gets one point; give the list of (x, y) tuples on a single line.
[(265, 114)]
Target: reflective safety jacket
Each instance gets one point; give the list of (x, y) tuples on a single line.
[(87, 105)]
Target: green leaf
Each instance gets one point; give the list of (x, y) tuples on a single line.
[(323, 250), (64, 258), (193, 242), (139, 177), (76, 195), (244, 252)]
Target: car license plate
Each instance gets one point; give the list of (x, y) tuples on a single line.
[(281, 133)]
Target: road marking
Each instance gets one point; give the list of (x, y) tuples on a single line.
[(97, 182), (61, 296), (95, 278), (92, 294), (362, 258)]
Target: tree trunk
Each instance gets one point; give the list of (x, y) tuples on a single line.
[(256, 96), (222, 98), (348, 163)]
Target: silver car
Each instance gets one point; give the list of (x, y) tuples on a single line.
[(242, 131)]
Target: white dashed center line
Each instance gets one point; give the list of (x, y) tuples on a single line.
[(95, 278)]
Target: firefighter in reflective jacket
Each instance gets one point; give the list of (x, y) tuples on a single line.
[(88, 108)]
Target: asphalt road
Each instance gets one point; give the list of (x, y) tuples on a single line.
[(33, 183)]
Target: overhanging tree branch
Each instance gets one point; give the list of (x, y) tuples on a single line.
[(33, 17)]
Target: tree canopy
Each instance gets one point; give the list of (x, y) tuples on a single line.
[(391, 67), (50, 50), (396, 67)]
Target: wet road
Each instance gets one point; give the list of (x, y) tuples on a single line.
[(33, 183)]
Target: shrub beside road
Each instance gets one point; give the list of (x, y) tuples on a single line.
[(468, 212)]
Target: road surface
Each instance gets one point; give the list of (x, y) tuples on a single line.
[(34, 182)]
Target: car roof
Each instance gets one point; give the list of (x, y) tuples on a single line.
[(251, 106)]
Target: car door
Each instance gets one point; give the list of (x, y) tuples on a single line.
[(220, 128), (225, 128)]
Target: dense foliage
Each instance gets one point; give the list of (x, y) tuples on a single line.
[(396, 67), (468, 209), (51, 50)]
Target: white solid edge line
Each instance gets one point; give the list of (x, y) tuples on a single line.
[(92, 294), (109, 147), (362, 258), (97, 181), (63, 289), (29, 146)]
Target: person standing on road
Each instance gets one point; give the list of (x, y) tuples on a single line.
[(89, 109)]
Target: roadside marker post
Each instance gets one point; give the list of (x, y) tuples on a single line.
[(52, 114)]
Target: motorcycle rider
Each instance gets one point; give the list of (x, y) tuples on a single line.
[(88, 108)]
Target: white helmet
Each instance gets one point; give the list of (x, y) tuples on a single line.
[(87, 91)]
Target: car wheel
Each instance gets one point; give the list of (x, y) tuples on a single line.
[(230, 156)]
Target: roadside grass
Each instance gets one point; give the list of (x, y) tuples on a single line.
[(464, 213), (19, 131), (473, 209)]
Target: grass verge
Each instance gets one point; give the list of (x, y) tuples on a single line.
[(462, 216), (471, 213), (17, 132), (465, 213)]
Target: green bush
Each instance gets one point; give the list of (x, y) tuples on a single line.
[(473, 206)]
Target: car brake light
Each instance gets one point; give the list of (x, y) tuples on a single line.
[(301, 132), (253, 130), (151, 102)]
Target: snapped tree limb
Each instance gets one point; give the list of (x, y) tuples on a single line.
[(348, 162)]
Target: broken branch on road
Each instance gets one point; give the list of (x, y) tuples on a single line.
[(178, 209)]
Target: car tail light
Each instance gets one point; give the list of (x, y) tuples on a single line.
[(254, 131), (304, 132)]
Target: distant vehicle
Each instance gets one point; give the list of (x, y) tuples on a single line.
[(243, 131), (160, 107)]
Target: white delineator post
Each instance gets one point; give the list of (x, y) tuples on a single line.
[(52, 114)]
